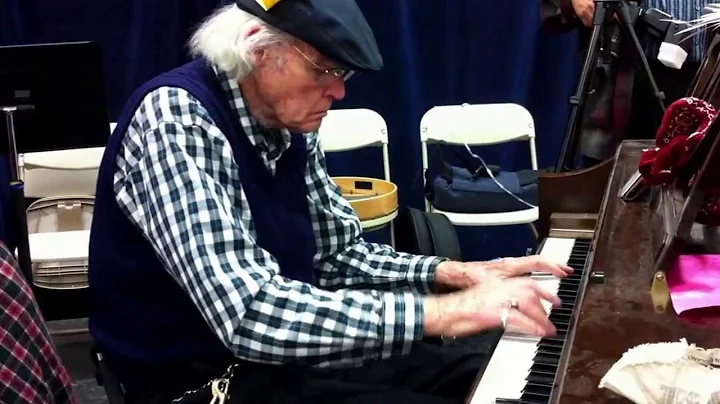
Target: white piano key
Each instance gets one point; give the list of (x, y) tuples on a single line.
[(512, 359)]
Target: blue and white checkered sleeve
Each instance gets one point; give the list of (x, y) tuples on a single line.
[(178, 182), (344, 257)]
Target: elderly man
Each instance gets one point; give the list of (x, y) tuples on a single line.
[(218, 237)]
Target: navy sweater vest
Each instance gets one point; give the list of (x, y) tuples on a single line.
[(139, 314)]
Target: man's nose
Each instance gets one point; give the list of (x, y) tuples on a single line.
[(336, 90)]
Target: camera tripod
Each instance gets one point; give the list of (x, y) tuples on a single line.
[(605, 10)]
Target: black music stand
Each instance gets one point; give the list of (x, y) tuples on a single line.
[(53, 98)]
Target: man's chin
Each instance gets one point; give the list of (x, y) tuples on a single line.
[(309, 126)]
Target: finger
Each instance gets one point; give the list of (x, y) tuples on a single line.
[(546, 295), (556, 269), (521, 323), (532, 308)]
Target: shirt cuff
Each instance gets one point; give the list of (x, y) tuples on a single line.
[(403, 316), (424, 273)]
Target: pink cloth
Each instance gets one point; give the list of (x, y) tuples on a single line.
[(694, 282)]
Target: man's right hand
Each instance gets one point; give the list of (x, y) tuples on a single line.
[(481, 307), (584, 9)]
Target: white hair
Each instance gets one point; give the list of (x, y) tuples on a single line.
[(223, 41)]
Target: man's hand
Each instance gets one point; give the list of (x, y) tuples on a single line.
[(584, 9), (462, 275), (515, 303)]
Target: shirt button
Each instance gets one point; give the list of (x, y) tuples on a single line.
[(697, 8)]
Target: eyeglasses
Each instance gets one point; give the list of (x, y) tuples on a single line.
[(325, 76)]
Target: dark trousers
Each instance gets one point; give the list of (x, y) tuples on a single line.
[(428, 374)]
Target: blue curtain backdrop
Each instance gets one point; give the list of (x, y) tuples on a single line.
[(436, 52)]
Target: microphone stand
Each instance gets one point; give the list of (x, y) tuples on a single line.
[(604, 11), (17, 189)]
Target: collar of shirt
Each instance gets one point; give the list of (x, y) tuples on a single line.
[(270, 142)]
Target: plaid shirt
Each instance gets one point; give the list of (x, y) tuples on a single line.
[(177, 180), (30, 369)]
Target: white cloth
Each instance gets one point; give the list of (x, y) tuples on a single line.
[(673, 372)]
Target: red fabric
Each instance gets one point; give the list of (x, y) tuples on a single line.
[(683, 127), (31, 371)]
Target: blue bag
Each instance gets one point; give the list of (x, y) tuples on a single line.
[(472, 189)]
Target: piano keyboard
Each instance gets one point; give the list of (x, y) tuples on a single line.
[(522, 368)]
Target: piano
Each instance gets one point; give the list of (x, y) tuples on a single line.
[(617, 298)]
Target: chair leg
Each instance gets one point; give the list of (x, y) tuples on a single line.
[(392, 233), (105, 378)]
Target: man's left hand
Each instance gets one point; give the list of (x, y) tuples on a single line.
[(461, 275)]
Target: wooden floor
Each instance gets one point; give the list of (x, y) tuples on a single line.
[(73, 343)]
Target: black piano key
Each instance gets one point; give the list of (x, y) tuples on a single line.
[(566, 296), (507, 401), (540, 378), (576, 262), (567, 287), (549, 347), (549, 342), (547, 374), (536, 398), (546, 359), (550, 352), (559, 320), (544, 368), (540, 389), (559, 338), (561, 317), (562, 310)]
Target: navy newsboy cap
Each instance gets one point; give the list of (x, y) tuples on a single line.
[(336, 28)]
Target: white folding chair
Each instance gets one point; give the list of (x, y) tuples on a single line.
[(480, 125), (64, 183), (351, 129)]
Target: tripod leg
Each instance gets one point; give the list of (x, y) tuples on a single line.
[(627, 26), (568, 152)]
